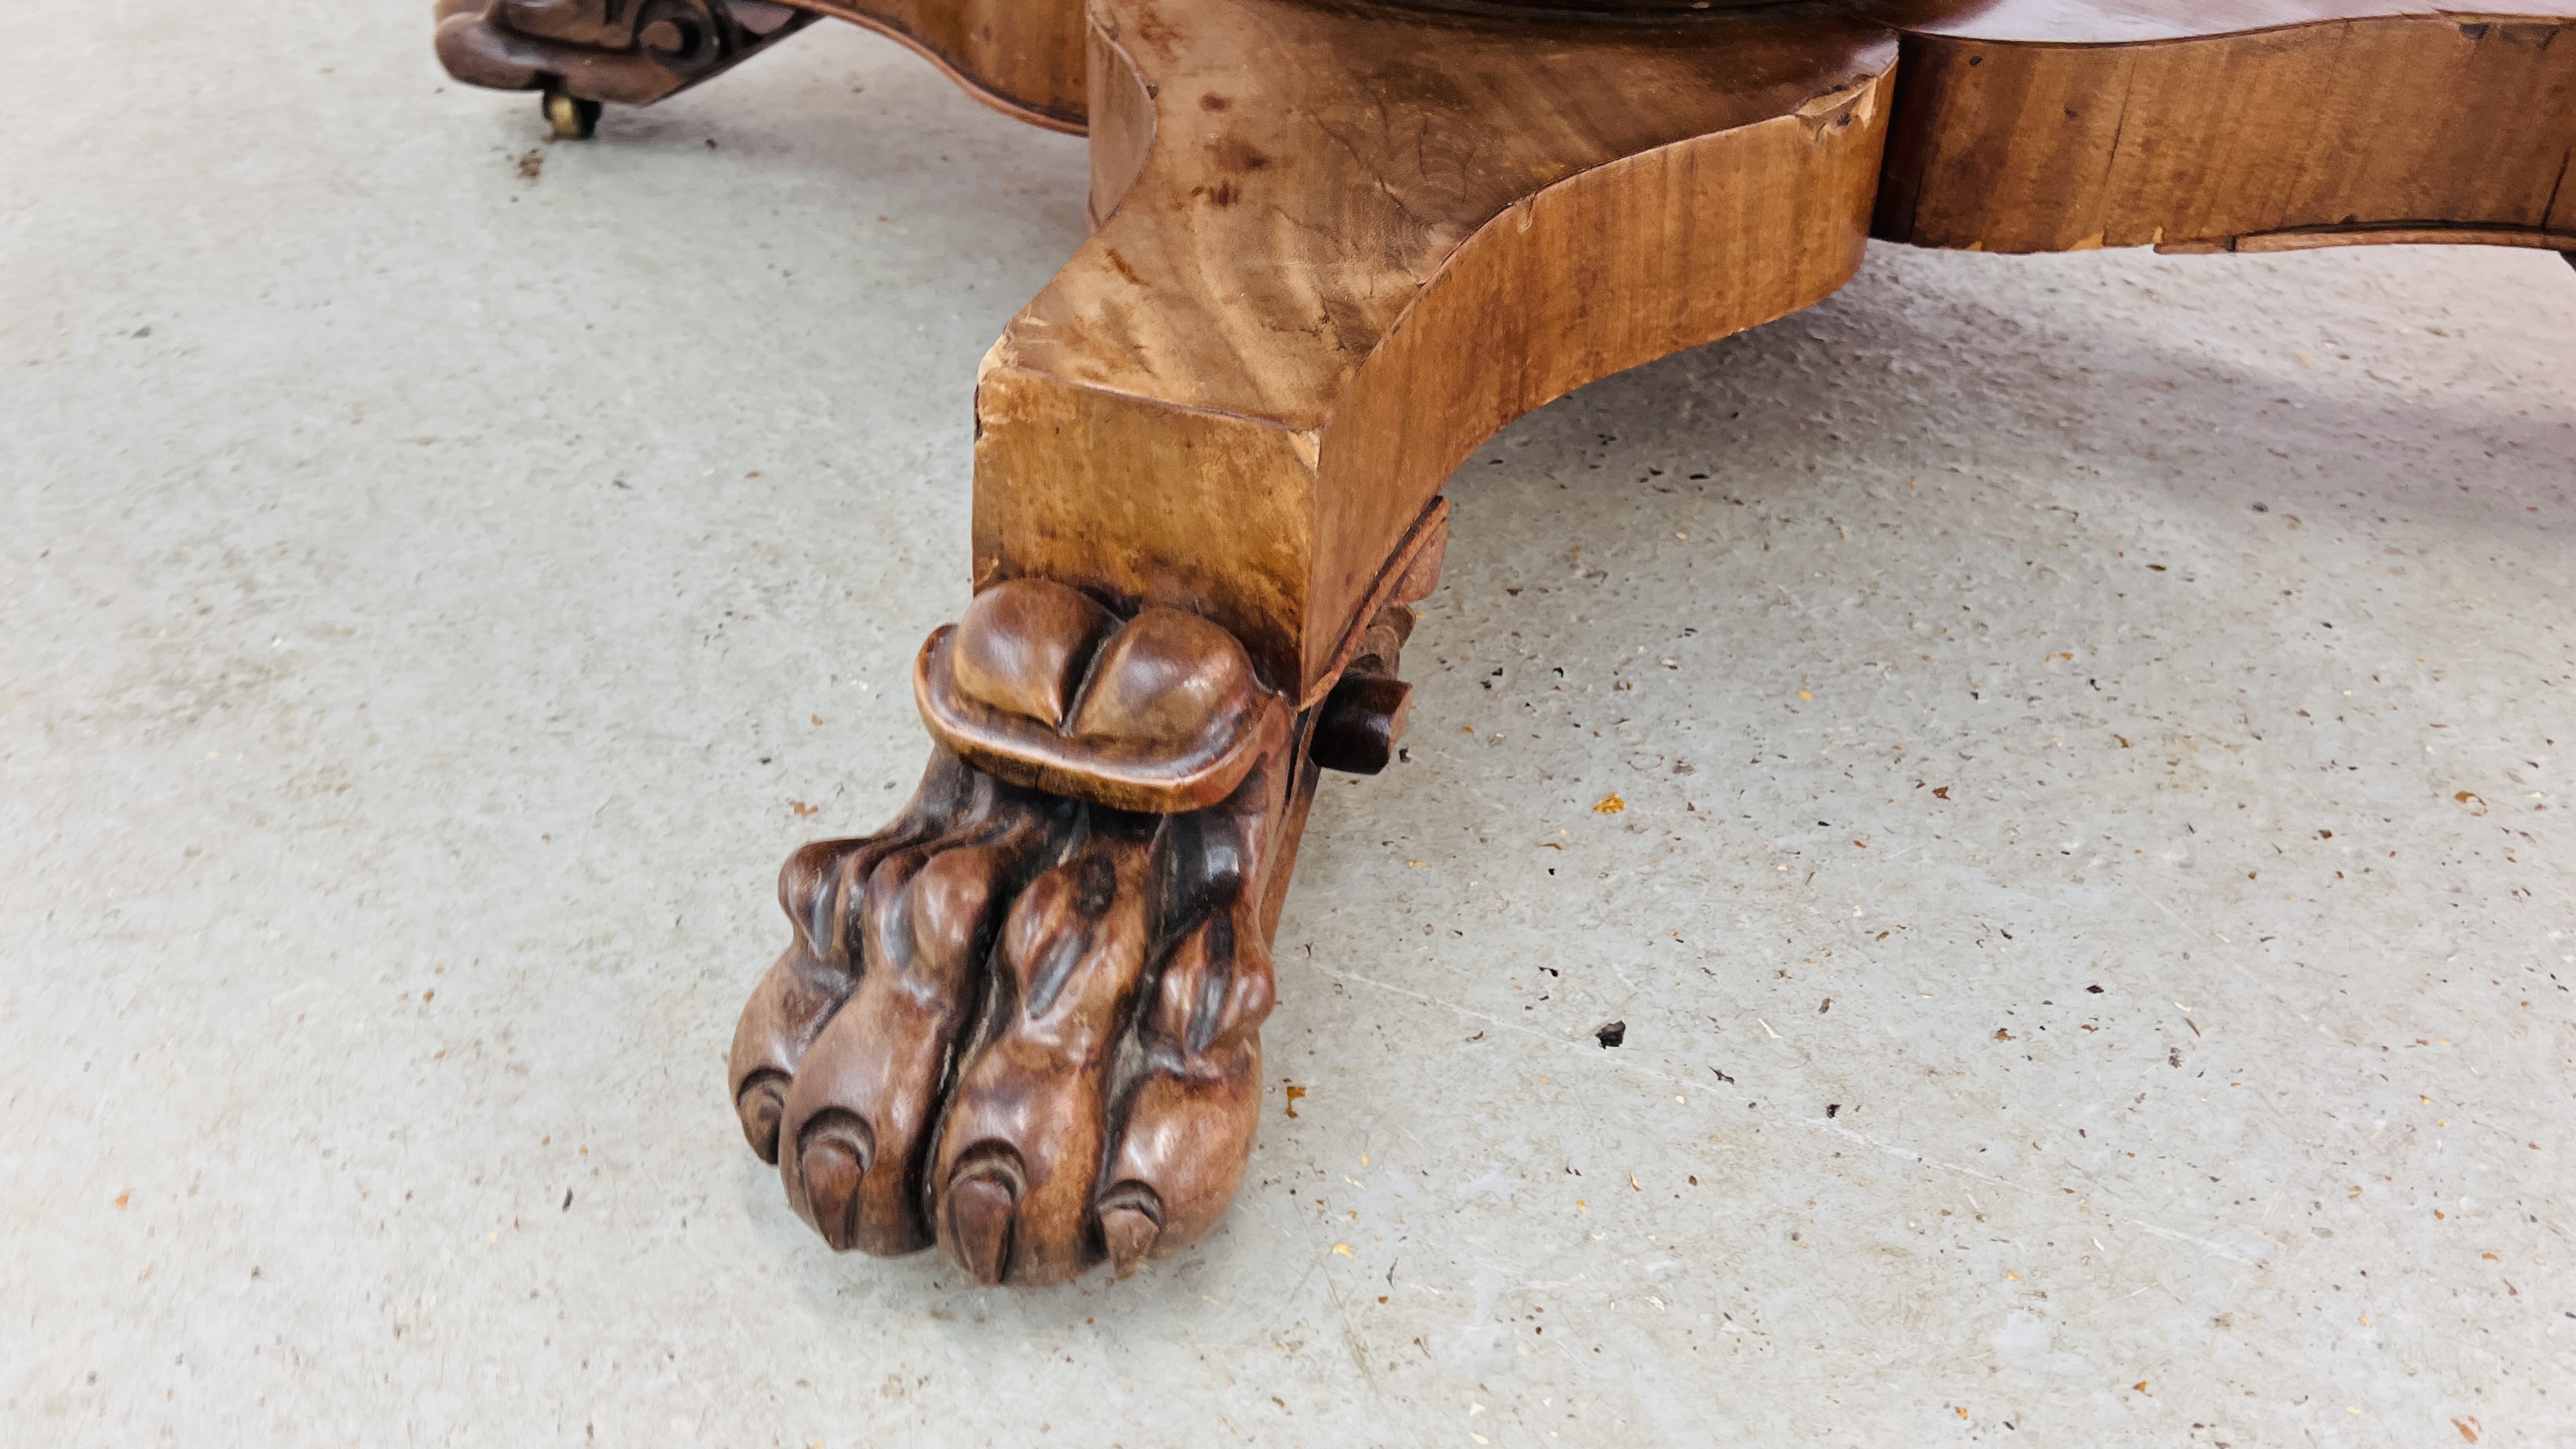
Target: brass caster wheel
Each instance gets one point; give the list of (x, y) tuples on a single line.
[(572, 118)]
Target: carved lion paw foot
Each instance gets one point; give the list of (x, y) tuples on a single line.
[(582, 52), (1023, 1021)]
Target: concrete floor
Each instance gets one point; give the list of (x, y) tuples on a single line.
[(2093, 913)]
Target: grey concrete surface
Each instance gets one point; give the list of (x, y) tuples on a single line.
[(2093, 911)]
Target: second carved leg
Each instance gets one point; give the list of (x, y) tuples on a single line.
[(583, 52)]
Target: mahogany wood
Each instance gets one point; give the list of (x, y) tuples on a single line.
[(1337, 246)]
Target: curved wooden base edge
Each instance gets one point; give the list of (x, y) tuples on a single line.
[(2383, 234), (1608, 269), (2045, 127), (1318, 282), (1026, 65)]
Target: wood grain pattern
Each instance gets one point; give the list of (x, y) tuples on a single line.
[(2038, 125), (1333, 274), (1021, 57)]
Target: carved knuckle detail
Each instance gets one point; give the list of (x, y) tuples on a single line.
[(804, 882), (1043, 687), (949, 899), (1215, 992), (1024, 647), (1165, 681)]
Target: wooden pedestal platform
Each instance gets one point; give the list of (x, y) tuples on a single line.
[(1336, 247)]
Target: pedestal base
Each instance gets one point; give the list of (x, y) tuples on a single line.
[(1337, 246)]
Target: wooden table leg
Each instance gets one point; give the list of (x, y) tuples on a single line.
[(1337, 246), (1206, 472)]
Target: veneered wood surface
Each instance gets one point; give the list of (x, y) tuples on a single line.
[(1336, 270), (1022, 57), (2046, 125), (1341, 244)]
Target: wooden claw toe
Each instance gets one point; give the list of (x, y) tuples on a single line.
[(983, 1203), (834, 1161), (582, 52), (1130, 1220)]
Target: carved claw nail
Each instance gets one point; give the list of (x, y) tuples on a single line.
[(760, 1106), (983, 1200), (834, 1160), (1130, 1220)]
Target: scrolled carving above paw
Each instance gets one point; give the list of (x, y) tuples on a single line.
[(1041, 686)]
